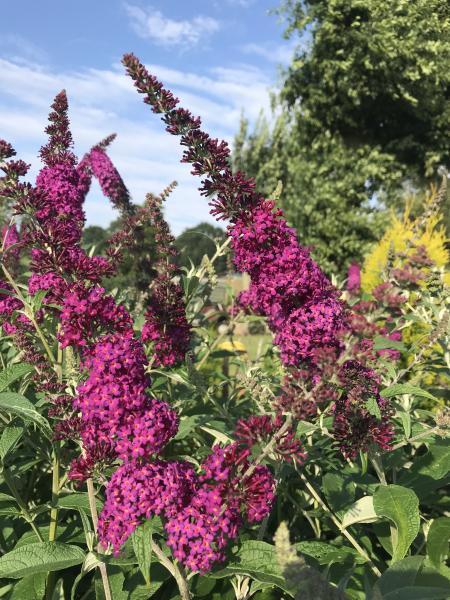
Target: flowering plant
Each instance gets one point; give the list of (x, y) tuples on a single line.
[(192, 452)]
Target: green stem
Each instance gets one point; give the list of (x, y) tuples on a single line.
[(419, 436), (22, 505), (30, 315), (94, 515), (377, 464), (173, 570), (338, 524), (55, 495), (51, 578)]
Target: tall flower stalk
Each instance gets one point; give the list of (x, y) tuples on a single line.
[(287, 287)]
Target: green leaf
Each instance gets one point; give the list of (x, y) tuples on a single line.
[(429, 471), (12, 373), (257, 560), (65, 533), (412, 579), (362, 511), (137, 590), (116, 580), (401, 506), (219, 436), (373, 408), (384, 343), (10, 436), (38, 299), (31, 587), (437, 541), (8, 505), (142, 538), (189, 424), (406, 388), (338, 490), (305, 428), (16, 404), (77, 501), (326, 554), (38, 558)]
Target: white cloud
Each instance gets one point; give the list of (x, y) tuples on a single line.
[(102, 101), (151, 24), (17, 46), (276, 53)]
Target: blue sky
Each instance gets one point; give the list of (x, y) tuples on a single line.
[(218, 56)]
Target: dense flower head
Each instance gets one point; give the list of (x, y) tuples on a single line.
[(389, 294), (63, 198), (137, 492), (10, 318), (314, 325), (166, 326), (87, 310), (302, 307), (54, 285), (115, 408), (6, 150), (228, 192), (362, 415), (110, 181), (58, 149), (286, 285), (200, 533)]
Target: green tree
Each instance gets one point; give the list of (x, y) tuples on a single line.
[(364, 112), (193, 243), (95, 237)]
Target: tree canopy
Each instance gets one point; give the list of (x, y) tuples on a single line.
[(364, 111), (193, 243)]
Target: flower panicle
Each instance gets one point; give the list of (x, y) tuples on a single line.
[(209, 157), (58, 149)]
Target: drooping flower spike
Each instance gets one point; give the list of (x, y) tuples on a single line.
[(302, 307)]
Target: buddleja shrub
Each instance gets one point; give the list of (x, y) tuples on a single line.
[(144, 457)]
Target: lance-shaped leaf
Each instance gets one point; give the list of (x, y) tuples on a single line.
[(38, 558), (16, 404)]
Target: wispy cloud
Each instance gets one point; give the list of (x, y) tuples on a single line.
[(16, 46), (150, 23), (275, 53), (104, 100)]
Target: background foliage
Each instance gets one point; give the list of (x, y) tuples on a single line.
[(363, 113)]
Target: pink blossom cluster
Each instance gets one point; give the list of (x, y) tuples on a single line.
[(166, 326), (287, 286), (300, 304), (261, 429), (113, 414), (229, 490), (86, 310), (98, 162), (357, 424), (354, 278), (136, 493), (201, 513)]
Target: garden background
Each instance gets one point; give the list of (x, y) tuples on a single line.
[(225, 376)]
